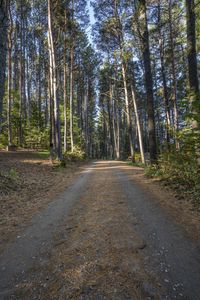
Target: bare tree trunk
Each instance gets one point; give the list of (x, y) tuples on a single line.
[(65, 87), (72, 81), (175, 109), (114, 123), (21, 80), (138, 123), (166, 96), (3, 42), (148, 83), (71, 98), (28, 86), (65, 104), (128, 112), (39, 87), (53, 81), (191, 48), (9, 101), (85, 118)]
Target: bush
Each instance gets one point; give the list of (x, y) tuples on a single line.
[(181, 171), (76, 155)]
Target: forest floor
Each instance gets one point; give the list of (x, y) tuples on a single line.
[(112, 234), (28, 182)]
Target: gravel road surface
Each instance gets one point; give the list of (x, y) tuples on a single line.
[(168, 252)]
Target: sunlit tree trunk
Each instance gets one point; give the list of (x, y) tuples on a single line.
[(65, 104), (21, 80), (166, 96), (53, 82), (39, 86), (3, 41), (175, 108), (115, 123), (140, 138), (9, 100), (128, 112), (65, 87), (72, 81)]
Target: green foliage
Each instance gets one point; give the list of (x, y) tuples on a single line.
[(34, 135), (181, 169), (137, 161), (9, 181), (3, 141), (76, 155), (13, 174)]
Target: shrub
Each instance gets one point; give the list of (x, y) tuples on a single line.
[(180, 170), (76, 155)]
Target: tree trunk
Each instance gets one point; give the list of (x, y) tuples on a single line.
[(148, 83), (71, 98), (85, 118), (65, 86), (53, 82), (128, 112), (72, 80), (9, 101), (138, 123), (175, 109), (3, 42), (39, 86), (21, 80), (191, 49), (166, 96), (115, 123), (65, 103)]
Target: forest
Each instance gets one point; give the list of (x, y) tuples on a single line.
[(99, 149), (103, 79)]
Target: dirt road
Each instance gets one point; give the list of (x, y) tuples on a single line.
[(103, 238)]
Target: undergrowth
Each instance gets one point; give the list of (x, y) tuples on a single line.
[(75, 156), (9, 181), (181, 171)]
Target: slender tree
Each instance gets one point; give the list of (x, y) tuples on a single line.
[(191, 48), (148, 80), (3, 48)]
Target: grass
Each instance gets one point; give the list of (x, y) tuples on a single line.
[(136, 164), (43, 154)]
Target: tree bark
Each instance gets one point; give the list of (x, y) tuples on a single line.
[(148, 82), (191, 48), (3, 43), (175, 109), (72, 81), (166, 96), (71, 97), (53, 83), (138, 123), (65, 104), (9, 100)]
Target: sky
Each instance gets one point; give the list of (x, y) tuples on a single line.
[(92, 21)]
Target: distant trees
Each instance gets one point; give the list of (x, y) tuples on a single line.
[(49, 76), (148, 40)]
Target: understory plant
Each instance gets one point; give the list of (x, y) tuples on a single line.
[(181, 168)]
